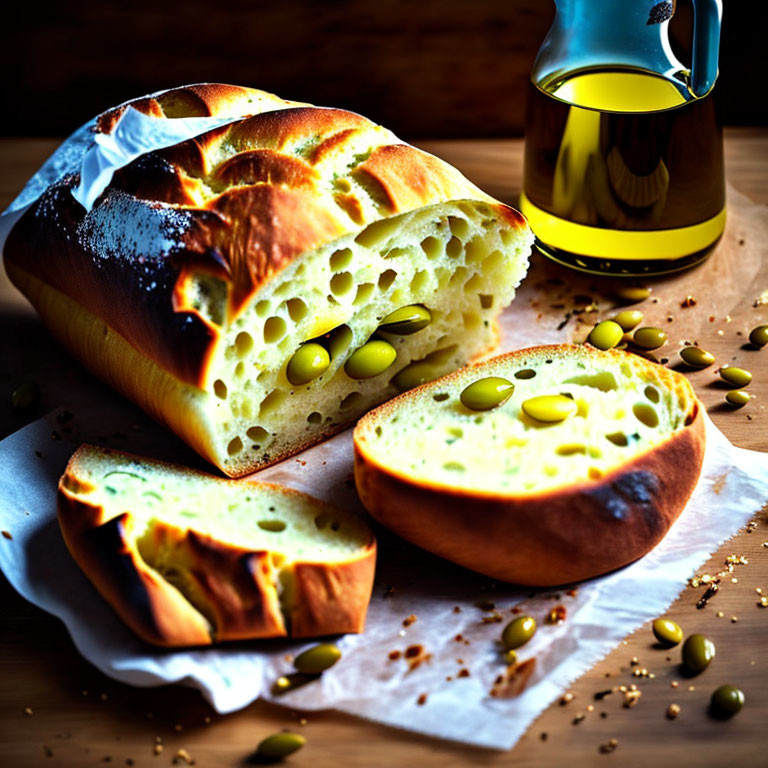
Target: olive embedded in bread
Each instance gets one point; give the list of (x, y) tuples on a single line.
[(204, 267), (609, 444), (143, 533), (373, 358)]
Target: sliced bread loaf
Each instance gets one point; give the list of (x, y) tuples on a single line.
[(190, 559), (575, 462)]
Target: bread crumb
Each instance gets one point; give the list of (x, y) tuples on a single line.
[(604, 749), (422, 700), (182, 754), (7, 534), (28, 711), (408, 620)]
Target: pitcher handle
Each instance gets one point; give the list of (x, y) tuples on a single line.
[(707, 15)]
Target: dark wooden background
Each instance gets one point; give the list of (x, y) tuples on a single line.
[(433, 68)]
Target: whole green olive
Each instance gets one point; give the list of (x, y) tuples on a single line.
[(667, 632), (605, 335), (373, 358), (487, 393), (518, 632), (406, 320), (698, 652), (629, 319), (317, 659), (727, 700), (736, 377), (414, 375), (696, 357), (308, 362), (649, 338), (280, 745), (549, 408), (738, 398), (759, 336)]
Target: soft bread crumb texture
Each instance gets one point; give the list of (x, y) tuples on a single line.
[(625, 407), (457, 259)]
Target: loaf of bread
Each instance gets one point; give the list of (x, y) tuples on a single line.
[(190, 559), (570, 462), (204, 268)]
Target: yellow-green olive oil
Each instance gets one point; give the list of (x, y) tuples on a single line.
[(623, 174)]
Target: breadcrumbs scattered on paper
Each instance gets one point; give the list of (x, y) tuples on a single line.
[(673, 710)]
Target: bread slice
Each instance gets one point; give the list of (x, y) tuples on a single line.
[(190, 559), (204, 267), (531, 502)]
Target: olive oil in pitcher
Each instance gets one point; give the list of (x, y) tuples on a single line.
[(623, 149)]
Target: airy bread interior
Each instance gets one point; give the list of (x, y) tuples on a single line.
[(457, 259), (624, 407), (165, 501)]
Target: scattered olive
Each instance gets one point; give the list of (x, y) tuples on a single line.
[(406, 320), (605, 335), (308, 362), (317, 659), (373, 358), (667, 632), (280, 745), (696, 357), (414, 375), (736, 377), (632, 294), (649, 338), (518, 632), (738, 398), (25, 396), (698, 652), (727, 700), (759, 336), (487, 393), (629, 319), (550, 408)]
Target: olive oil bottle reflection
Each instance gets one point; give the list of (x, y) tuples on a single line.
[(623, 172)]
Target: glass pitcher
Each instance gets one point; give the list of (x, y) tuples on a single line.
[(623, 148)]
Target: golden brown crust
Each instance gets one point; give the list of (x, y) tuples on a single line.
[(209, 590), (548, 538)]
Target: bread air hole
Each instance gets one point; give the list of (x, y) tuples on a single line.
[(243, 343), (235, 446), (352, 400), (386, 279), (297, 309), (340, 259), (420, 281), (364, 293), (526, 373), (262, 308), (454, 248), (274, 329), (486, 300), (646, 414), (605, 381), (271, 402), (274, 526), (454, 466), (257, 435), (571, 450), (458, 226), (652, 394), (378, 233), (240, 370), (342, 283), (440, 397), (618, 438), (432, 247), (315, 417), (220, 389), (476, 250)]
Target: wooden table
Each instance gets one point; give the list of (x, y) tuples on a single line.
[(78, 717)]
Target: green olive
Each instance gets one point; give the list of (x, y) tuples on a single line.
[(414, 375), (698, 652), (697, 357), (518, 632), (667, 632), (526, 373), (629, 319), (487, 393), (605, 335), (317, 659), (280, 745), (550, 408), (25, 396), (738, 398), (736, 377), (406, 320), (308, 362), (727, 700), (373, 358), (759, 336), (510, 656), (632, 294), (649, 338), (338, 340)]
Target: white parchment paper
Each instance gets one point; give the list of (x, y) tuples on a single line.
[(366, 682)]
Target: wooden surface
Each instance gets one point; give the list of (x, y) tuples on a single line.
[(81, 718)]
